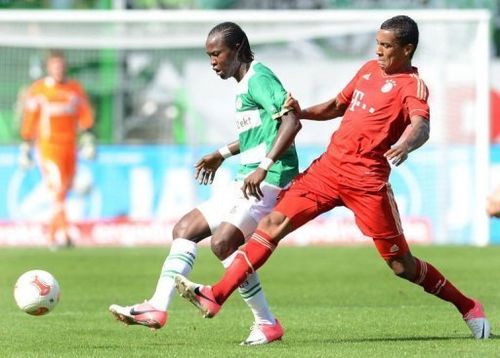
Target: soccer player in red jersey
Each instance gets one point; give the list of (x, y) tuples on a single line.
[(383, 99)]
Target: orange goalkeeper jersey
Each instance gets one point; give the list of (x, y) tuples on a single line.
[(54, 112)]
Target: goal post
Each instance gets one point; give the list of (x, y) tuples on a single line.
[(148, 69)]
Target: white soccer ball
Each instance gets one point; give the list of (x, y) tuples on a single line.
[(36, 292)]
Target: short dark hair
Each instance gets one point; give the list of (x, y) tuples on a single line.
[(234, 37), (405, 29)]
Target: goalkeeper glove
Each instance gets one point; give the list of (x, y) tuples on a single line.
[(26, 156), (87, 146)]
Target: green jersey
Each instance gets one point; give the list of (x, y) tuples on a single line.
[(259, 106)]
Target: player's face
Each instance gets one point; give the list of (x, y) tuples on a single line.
[(56, 68), (222, 58), (392, 57)]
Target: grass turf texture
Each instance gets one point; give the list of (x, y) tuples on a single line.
[(331, 301)]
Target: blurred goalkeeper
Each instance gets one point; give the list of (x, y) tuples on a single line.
[(55, 110)]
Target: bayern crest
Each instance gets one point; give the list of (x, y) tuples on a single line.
[(388, 86)]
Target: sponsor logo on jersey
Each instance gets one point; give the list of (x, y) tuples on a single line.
[(247, 120)]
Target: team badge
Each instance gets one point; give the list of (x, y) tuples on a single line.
[(389, 85)]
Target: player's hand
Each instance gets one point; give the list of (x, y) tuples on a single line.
[(25, 159), (397, 154), (292, 103), (87, 146), (206, 168), (493, 206), (251, 184)]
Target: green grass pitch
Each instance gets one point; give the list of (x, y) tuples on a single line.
[(332, 302)]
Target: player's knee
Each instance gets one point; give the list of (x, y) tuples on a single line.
[(182, 230), (178, 230)]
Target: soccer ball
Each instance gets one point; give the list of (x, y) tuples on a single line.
[(36, 292)]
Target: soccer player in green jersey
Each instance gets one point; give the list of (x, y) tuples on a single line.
[(268, 161)]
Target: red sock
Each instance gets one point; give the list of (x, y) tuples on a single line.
[(249, 258), (436, 284)]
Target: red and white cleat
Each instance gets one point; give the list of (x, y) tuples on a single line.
[(263, 334), (477, 322), (199, 295), (141, 314)]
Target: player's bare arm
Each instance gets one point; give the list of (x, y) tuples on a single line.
[(207, 166), (324, 111), (418, 135), (289, 127)]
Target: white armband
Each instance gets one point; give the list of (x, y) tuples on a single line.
[(225, 152), (266, 163)]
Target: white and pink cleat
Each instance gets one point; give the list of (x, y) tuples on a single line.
[(143, 314)]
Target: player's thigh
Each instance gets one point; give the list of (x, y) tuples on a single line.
[(301, 204), (376, 212)]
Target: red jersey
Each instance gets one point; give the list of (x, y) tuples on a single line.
[(379, 107)]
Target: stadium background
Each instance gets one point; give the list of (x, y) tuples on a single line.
[(142, 180)]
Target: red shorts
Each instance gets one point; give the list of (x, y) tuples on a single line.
[(317, 191)]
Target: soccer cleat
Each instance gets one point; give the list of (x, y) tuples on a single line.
[(142, 314), (263, 334), (199, 295), (477, 322)]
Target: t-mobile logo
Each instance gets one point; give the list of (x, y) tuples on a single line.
[(357, 96)]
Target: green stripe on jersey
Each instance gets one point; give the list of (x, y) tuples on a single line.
[(261, 96)]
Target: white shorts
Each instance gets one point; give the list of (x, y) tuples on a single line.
[(231, 206)]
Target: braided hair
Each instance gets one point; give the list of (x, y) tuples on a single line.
[(235, 38)]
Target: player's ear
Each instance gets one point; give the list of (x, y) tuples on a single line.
[(409, 49)]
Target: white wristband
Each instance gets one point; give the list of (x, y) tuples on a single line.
[(225, 152), (266, 163)]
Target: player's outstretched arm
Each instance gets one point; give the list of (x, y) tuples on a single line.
[(207, 166), (324, 111), (416, 137)]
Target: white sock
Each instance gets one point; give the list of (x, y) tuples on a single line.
[(180, 260), (252, 293)]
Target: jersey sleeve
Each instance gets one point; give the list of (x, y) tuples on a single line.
[(415, 96), (268, 93), (345, 96), (85, 113), (31, 113)]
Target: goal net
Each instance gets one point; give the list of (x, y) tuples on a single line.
[(150, 81)]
